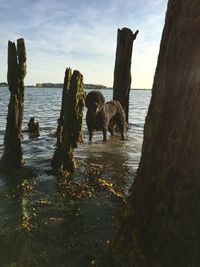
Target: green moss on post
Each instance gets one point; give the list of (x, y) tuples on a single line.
[(69, 131), (13, 155)]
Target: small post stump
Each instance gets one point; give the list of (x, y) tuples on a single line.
[(13, 155), (69, 131), (122, 71), (33, 128)]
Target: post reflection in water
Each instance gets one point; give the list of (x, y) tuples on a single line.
[(37, 228)]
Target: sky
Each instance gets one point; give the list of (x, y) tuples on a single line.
[(81, 34)]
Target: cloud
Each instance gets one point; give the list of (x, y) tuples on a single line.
[(81, 34)]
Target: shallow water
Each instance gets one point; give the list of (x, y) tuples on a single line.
[(38, 225)]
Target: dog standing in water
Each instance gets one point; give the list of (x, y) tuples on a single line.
[(103, 116)]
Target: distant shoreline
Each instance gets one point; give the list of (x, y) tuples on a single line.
[(59, 85), (90, 88)]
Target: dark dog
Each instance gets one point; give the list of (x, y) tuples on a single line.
[(103, 116)]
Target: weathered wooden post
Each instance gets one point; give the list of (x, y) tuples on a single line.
[(66, 86), (122, 71), (13, 155), (70, 130), (161, 226)]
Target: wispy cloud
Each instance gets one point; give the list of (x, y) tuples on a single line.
[(81, 34)]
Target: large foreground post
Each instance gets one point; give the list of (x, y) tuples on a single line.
[(163, 218), (122, 71), (13, 155), (69, 131)]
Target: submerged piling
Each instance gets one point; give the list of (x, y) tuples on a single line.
[(13, 155), (69, 131), (122, 71)]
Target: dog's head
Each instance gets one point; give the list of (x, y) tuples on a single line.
[(94, 101)]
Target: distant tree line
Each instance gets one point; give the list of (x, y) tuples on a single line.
[(59, 85)]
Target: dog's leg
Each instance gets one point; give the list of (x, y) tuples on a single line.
[(121, 126), (104, 134), (111, 127), (90, 135), (121, 129), (111, 131), (122, 135)]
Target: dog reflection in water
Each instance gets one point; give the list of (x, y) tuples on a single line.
[(104, 116)]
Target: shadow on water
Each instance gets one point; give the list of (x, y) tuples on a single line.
[(39, 226)]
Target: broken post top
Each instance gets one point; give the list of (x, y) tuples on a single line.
[(12, 74), (16, 64), (21, 51), (122, 71), (13, 154), (127, 31), (68, 74)]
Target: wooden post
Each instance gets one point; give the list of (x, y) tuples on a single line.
[(66, 86), (164, 206), (122, 71), (13, 155), (70, 132)]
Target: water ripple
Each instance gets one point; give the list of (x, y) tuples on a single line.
[(44, 105)]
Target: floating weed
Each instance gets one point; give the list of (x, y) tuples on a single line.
[(105, 183), (93, 171), (85, 189), (53, 220), (42, 202), (75, 189), (109, 187), (25, 224), (25, 188)]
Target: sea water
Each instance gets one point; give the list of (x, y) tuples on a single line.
[(39, 227)]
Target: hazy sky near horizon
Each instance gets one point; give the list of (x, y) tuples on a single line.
[(81, 34)]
